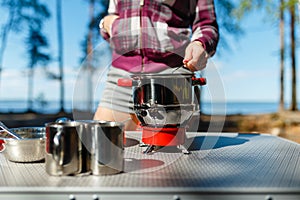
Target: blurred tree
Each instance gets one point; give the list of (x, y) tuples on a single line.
[(282, 55), (97, 10), (275, 11), (26, 15), (60, 57), (36, 42), (41, 101), (229, 29), (60, 52), (292, 11), (89, 66), (14, 22), (229, 24)]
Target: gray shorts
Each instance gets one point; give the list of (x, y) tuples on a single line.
[(120, 98)]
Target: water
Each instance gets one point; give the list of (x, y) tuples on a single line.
[(19, 106), (240, 108)]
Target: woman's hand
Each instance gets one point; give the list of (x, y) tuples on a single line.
[(107, 23), (195, 56)]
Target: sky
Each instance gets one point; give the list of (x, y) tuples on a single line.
[(249, 71)]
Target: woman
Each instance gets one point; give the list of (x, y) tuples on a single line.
[(153, 36)]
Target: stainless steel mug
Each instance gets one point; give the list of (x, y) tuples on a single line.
[(106, 145), (65, 152)]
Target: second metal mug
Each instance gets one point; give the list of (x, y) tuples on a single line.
[(105, 141)]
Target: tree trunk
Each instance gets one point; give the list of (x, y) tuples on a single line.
[(60, 53), (4, 35), (293, 59), (282, 46), (30, 89), (90, 56)]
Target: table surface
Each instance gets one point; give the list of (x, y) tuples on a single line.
[(219, 163)]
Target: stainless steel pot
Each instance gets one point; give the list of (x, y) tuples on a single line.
[(30, 148), (163, 99)]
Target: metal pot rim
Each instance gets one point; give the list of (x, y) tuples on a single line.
[(30, 130), (14, 141), (102, 123), (65, 124), (153, 75), (39, 128)]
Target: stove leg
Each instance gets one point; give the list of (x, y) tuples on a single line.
[(184, 150), (149, 149), (142, 144)]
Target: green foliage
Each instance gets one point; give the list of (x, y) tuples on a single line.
[(14, 20), (36, 42), (228, 24), (100, 7), (35, 13), (272, 8), (25, 12), (226, 19), (30, 15)]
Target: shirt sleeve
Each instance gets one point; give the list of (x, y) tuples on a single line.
[(205, 28), (112, 7)]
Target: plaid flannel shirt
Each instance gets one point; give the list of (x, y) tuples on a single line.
[(151, 35)]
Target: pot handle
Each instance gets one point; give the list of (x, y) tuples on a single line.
[(58, 148), (127, 82), (2, 147), (198, 81)]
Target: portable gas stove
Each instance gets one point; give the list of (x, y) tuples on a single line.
[(163, 103)]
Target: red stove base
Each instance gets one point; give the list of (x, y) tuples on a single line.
[(1, 145), (166, 136)]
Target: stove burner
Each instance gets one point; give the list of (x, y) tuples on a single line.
[(155, 138), (163, 136)]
